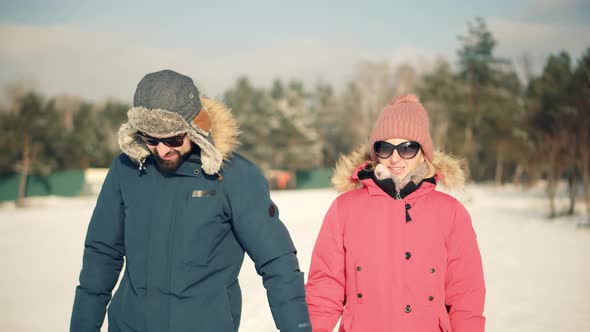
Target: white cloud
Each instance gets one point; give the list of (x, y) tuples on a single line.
[(555, 8), (309, 60), (66, 59), (96, 63), (538, 40), (423, 60)]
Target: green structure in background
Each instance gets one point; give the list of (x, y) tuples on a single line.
[(67, 183), (79, 182), (314, 179)]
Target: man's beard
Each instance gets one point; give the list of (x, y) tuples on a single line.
[(171, 166)]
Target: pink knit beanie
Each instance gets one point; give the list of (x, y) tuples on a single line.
[(405, 118)]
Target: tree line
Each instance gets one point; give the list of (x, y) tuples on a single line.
[(509, 122)]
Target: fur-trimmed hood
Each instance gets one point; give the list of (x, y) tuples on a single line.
[(217, 144), (448, 170)]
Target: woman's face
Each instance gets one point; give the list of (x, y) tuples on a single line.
[(397, 165)]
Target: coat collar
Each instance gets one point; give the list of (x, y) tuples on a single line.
[(362, 175)]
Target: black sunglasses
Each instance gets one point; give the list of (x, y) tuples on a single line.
[(406, 150), (173, 142)]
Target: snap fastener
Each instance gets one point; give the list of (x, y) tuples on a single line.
[(191, 96), (432, 270), (408, 255), (408, 309), (358, 268), (197, 171), (359, 295), (430, 298)]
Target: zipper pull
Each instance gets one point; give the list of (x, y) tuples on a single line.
[(398, 196), (142, 167)]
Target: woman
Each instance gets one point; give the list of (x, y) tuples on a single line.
[(393, 254)]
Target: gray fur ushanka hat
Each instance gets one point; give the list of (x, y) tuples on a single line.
[(167, 103)]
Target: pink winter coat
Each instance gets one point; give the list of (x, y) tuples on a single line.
[(380, 272)]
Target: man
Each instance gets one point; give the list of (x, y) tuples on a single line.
[(180, 208)]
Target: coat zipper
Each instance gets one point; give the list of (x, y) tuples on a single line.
[(171, 242)]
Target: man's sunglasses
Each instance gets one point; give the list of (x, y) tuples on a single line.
[(406, 150), (173, 142)]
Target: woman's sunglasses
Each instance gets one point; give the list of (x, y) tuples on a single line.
[(406, 150), (173, 142)]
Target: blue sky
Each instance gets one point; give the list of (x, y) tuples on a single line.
[(98, 49)]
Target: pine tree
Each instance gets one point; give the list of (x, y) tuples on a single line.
[(440, 91), (252, 109), (329, 123), (581, 99), (300, 144), (478, 69), (37, 129), (551, 119)]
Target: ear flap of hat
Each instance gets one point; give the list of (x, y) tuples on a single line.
[(203, 121)]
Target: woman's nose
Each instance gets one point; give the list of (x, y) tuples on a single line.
[(395, 157)]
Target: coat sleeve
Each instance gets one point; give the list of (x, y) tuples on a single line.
[(326, 283), (256, 224), (464, 281), (103, 258)]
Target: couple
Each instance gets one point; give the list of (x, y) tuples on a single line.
[(180, 207)]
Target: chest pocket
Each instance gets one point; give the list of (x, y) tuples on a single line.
[(202, 226)]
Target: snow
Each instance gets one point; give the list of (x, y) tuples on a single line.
[(537, 271)]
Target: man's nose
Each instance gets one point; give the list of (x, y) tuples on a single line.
[(162, 149)]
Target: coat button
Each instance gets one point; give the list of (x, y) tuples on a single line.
[(358, 268), (430, 298), (408, 206), (432, 270), (359, 295), (408, 309), (408, 255)]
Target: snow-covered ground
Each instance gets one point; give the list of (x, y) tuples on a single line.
[(537, 271)]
